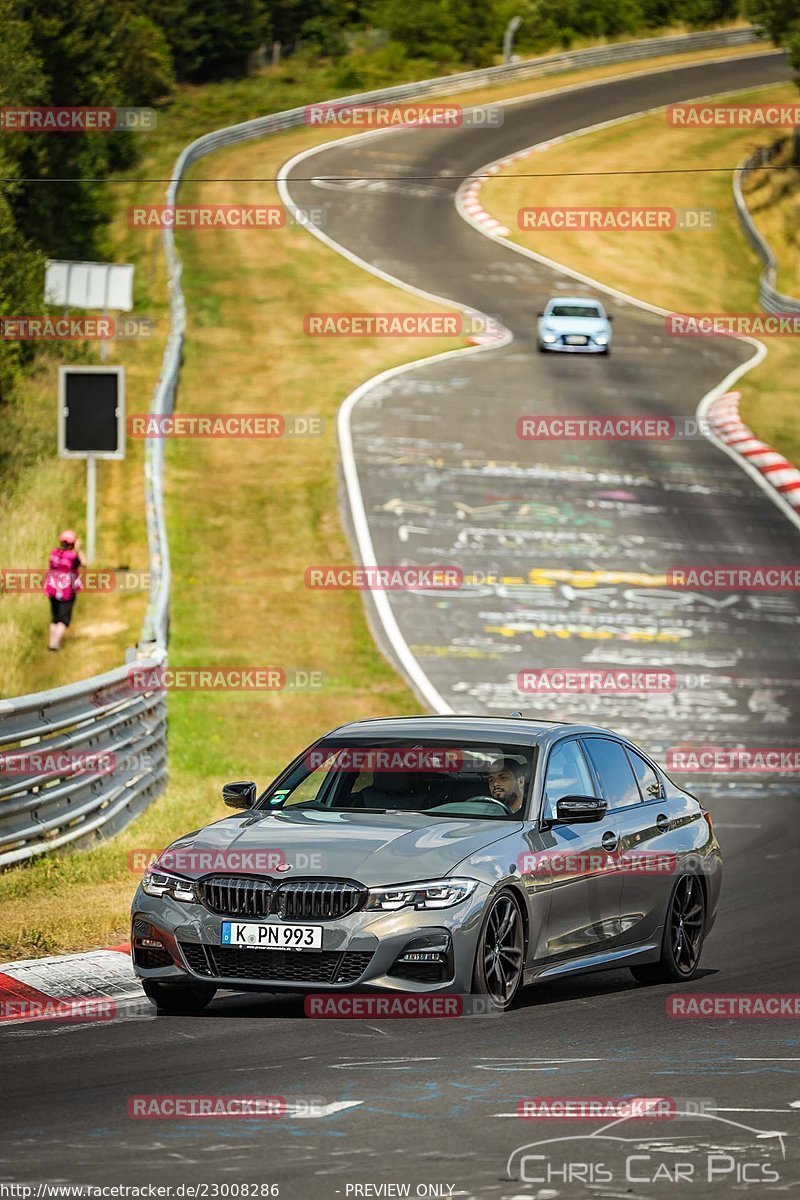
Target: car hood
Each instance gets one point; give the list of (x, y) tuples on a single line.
[(590, 325), (372, 848)]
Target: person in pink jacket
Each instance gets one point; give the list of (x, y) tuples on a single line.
[(61, 584)]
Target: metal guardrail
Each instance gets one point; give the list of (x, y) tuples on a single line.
[(78, 760), (770, 299), (61, 806)]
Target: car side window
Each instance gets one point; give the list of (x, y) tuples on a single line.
[(306, 791), (567, 775), (324, 784), (616, 774), (649, 783)]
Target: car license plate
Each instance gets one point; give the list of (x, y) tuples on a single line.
[(282, 937), (575, 340)]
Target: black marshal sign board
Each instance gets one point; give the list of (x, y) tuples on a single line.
[(91, 425), (91, 412)]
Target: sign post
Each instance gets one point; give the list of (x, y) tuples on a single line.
[(91, 507)]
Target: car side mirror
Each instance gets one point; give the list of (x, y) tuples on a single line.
[(609, 317), (239, 795), (573, 810), (541, 314)]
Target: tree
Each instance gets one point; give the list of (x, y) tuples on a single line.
[(21, 268), (780, 21), (211, 40), (142, 59)]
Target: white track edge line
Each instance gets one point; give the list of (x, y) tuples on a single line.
[(414, 672)]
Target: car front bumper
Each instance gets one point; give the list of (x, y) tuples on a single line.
[(359, 951), (562, 348)]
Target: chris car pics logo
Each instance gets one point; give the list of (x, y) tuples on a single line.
[(632, 1155)]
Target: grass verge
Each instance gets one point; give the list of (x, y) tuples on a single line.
[(773, 197)]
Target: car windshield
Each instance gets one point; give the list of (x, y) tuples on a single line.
[(575, 310), (482, 781)]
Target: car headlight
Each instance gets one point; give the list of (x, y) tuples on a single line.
[(549, 337), (601, 339), (438, 893), (161, 883)]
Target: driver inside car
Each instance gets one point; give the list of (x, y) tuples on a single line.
[(507, 781)]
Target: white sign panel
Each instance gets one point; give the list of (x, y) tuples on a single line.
[(89, 285)]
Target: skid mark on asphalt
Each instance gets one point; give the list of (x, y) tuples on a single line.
[(383, 1064)]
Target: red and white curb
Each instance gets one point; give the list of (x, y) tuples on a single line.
[(67, 985), (472, 205), (726, 424), (468, 198)]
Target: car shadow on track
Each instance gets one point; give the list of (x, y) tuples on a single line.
[(232, 1005), (606, 983)]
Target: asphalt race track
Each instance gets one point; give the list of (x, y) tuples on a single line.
[(433, 1104)]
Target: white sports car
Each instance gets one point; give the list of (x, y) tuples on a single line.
[(574, 325)]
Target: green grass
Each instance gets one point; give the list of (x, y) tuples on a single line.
[(773, 198)]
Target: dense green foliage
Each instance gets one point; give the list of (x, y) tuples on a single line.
[(780, 20)]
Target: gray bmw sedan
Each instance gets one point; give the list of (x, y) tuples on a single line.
[(434, 855)]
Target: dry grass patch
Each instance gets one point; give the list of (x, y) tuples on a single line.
[(773, 197)]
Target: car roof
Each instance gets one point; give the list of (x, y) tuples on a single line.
[(521, 731), (575, 300)]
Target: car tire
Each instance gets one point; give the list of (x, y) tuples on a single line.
[(607, 351), (682, 941), (500, 955), (540, 348), (184, 999)]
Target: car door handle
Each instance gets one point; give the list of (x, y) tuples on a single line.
[(663, 822), (609, 840)]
